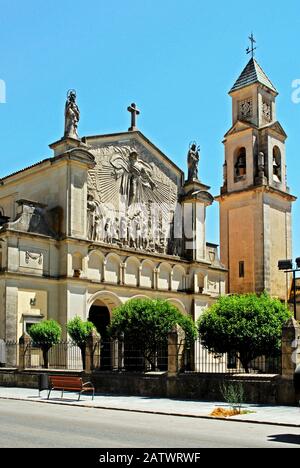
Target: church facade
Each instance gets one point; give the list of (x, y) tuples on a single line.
[(105, 219)]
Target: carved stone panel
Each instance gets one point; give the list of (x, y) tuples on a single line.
[(32, 258), (132, 198)]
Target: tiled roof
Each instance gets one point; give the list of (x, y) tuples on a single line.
[(252, 73), (24, 169)]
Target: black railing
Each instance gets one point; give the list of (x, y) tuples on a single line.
[(63, 355), (120, 355), (207, 362)]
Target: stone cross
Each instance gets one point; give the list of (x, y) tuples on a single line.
[(134, 112)]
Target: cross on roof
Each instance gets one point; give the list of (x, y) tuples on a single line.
[(251, 49), (134, 112)]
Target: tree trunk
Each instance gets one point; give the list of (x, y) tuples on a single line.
[(45, 357), (83, 353), (245, 363)]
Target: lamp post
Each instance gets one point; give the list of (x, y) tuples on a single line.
[(288, 267)]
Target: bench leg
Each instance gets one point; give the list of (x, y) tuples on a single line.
[(62, 393), (49, 393), (79, 396), (93, 394)]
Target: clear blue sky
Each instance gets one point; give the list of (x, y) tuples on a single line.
[(176, 59)]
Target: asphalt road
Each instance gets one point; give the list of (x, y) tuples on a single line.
[(29, 424)]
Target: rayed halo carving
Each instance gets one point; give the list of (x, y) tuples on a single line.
[(131, 201)]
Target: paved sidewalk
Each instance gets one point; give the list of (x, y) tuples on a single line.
[(268, 414)]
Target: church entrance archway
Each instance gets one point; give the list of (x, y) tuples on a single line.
[(99, 315)]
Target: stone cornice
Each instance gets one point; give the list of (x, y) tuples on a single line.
[(256, 188)]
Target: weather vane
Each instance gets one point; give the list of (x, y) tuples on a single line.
[(251, 49)]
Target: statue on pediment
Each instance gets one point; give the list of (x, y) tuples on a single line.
[(193, 159)]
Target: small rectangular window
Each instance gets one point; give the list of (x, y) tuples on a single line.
[(241, 269)]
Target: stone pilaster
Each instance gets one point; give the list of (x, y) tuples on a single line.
[(290, 348), (91, 345)]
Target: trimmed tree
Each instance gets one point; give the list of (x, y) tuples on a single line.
[(79, 332), (246, 325), (45, 334), (146, 323)]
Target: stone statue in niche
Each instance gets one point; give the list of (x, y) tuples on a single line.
[(193, 159), (135, 174), (72, 115)]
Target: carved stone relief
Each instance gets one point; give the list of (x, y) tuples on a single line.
[(131, 200), (32, 259)]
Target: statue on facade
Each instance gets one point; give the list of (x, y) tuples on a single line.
[(108, 231), (135, 175), (91, 217), (193, 159), (72, 115)]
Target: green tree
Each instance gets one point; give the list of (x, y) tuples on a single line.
[(45, 334), (245, 325), (79, 331), (147, 323)]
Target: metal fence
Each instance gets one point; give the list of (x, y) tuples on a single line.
[(63, 355), (119, 355), (207, 362)]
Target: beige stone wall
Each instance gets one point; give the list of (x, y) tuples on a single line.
[(241, 248), (2, 309), (78, 202), (25, 309), (46, 185), (255, 227), (277, 225), (17, 293)]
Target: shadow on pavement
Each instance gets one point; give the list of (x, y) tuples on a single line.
[(285, 438)]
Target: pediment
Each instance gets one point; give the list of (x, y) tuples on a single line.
[(239, 126), (277, 128), (134, 141)]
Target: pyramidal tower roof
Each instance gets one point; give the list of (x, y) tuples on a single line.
[(252, 73)]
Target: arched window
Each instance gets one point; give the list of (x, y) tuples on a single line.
[(276, 164), (240, 166)]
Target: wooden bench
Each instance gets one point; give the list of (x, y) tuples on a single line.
[(69, 384)]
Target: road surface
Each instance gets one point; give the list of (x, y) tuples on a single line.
[(31, 424)]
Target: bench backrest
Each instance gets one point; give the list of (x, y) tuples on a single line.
[(65, 381)]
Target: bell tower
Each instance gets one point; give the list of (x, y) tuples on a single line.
[(255, 202)]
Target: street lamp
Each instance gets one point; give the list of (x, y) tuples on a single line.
[(288, 267)]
